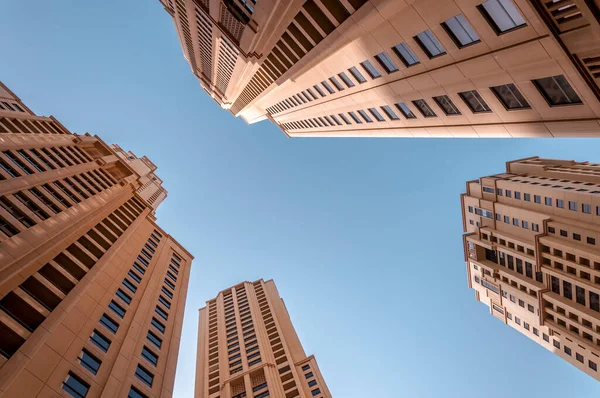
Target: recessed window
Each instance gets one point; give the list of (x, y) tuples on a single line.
[(405, 54), (474, 101), (357, 75), (344, 118), (154, 339), (100, 340), (158, 325), (461, 31), (386, 62), (319, 90), (591, 241), (587, 209), (365, 116), (336, 83), (123, 296), (144, 375), (557, 91), (567, 350), (356, 119), (403, 108), (164, 301), (109, 323), (510, 96), (447, 105), (560, 203), (117, 309), (312, 94), (376, 114), (89, 361), (370, 69), (572, 205), (316, 391), (502, 15), (135, 393), (389, 112), (424, 108), (346, 79), (430, 44), (579, 357), (328, 87), (149, 355), (75, 386)]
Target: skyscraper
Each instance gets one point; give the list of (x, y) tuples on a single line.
[(424, 68), (247, 347), (92, 290), (532, 248)]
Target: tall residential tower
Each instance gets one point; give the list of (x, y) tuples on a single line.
[(532, 248), (421, 68), (247, 347), (92, 290)]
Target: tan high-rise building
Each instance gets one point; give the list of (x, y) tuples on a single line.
[(248, 347), (421, 68), (532, 248), (92, 290)]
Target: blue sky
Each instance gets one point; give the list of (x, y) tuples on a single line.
[(362, 236)]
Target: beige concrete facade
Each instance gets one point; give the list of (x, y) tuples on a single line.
[(532, 249), (418, 68), (248, 347), (92, 290)]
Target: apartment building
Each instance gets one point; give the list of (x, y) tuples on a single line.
[(92, 290), (248, 347), (532, 250), (395, 68)]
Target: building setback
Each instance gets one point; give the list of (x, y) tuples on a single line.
[(379, 68), (532, 248), (92, 290), (248, 347)]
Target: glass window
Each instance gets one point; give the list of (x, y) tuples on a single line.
[(557, 90), (586, 208), (123, 296), (376, 114), (502, 15), (75, 386), (461, 31), (386, 62), (424, 108), (344, 118), (560, 203), (388, 111), (156, 323), (447, 105), (109, 323), (100, 340), (154, 339), (160, 312), (117, 309), (89, 361), (144, 375), (356, 119), (134, 276), (357, 75), (328, 87), (405, 54), (150, 356), (321, 92), (135, 393), (316, 391), (346, 79), (403, 108), (474, 101), (510, 96), (370, 69), (365, 116), (336, 83), (430, 44), (572, 205), (164, 301)]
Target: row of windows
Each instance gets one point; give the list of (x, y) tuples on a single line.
[(501, 14), (28, 207), (29, 161), (508, 94), (13, 106), (591, 187), (29, 126), (548, 201)]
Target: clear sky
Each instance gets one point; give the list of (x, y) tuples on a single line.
[(362, 236)]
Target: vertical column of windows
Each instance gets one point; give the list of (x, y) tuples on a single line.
[(281, 361), (213, 347)]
